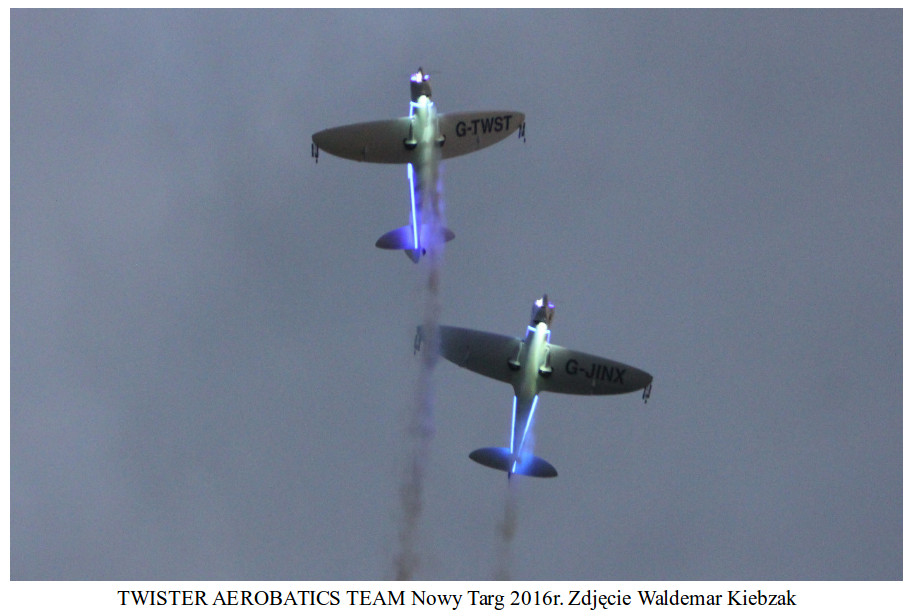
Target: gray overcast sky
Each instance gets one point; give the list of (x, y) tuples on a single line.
[(211, 364)]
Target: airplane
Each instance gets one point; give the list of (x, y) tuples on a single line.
[(532, 365), (420, 141)]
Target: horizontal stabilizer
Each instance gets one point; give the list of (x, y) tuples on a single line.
[(397, 239), (403, 238), (501, 459)]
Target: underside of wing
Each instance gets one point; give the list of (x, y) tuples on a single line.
[(371, 142), (466, 132), (481, 352), (573, 372)]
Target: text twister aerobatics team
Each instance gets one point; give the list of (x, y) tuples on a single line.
[(530, 364)]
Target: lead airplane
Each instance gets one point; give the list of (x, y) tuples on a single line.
[(531, 365), (420, 141)]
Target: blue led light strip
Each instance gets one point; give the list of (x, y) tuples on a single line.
[(411, 177), (413, 105), (513, 426), (529, 421), (513, 435), (531, 330)]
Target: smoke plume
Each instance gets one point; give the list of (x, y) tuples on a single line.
[(421, 417), (506, 530)]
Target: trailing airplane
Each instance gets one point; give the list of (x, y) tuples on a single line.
[(419, 141), (532, 365)]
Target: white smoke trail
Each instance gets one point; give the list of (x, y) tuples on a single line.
[(506, 530), (421, 427), (421, 421)]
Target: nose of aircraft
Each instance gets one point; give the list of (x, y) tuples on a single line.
[(542, 311), (419, 85)]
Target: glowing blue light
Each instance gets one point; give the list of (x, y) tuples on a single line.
[(411, 177), (528, 422), (530, 329), (513, 448), (513, 425), (419, 76), (425, 105), (513, 435)]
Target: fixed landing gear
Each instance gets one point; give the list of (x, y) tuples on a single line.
[(513, 362), (409, 142), (418, 339)]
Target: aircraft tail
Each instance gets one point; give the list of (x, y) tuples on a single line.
[(404, 238), (502, 459)]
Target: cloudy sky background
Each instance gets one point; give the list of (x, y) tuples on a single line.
[(211, 364)]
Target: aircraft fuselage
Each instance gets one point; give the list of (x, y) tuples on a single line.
[(424, 174), (532, 358)]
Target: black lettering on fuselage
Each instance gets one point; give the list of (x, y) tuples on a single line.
[(596, 371), (483, 126)]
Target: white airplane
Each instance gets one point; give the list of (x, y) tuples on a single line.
[(420, 141), (532, 365)]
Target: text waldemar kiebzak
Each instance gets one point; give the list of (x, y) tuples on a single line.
[(590, 599)]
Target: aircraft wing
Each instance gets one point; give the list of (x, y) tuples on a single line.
[(481, 352), (382, 141), (369, 142), (474, 130), (573, 372)]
